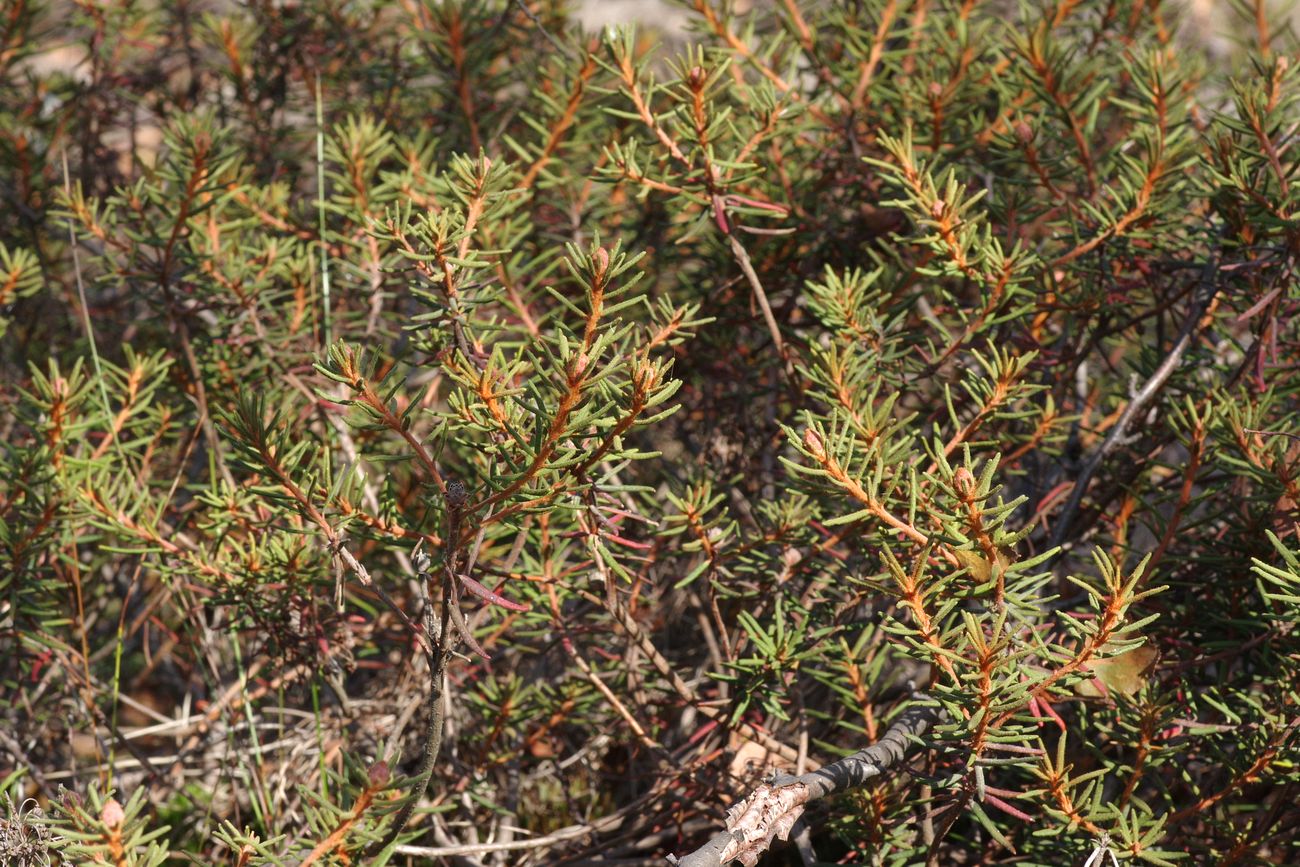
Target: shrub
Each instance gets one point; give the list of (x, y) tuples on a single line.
[(434, 431)]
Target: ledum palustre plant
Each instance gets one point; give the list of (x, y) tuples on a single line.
[(437, 433)]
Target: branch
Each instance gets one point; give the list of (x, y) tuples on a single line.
[(770, 811), (440, 646), (1209, 283), (742, 259)]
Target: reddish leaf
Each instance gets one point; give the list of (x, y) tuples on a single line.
[(490, 596)]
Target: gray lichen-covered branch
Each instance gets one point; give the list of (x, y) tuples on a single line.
[(771, 811)]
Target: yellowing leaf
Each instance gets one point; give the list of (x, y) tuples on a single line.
[(1124, 673), (978, 566)]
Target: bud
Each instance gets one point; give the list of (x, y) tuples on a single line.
[(938, 208), (936, 89), (813, 443), (456, 493), (600, 259), (379, 775), (645, 377), (696, 77), (1024, 132), (112, 815), (963, 483)]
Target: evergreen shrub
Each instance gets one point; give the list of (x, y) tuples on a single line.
[(435, 433)]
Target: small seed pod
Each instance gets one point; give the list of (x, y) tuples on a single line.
[(457, 495)]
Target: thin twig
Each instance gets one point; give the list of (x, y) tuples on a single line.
[(742, 259), (744, 729), (1144, 396), (438, 652), (85, 314), (1271, 433), (537, 22), (564, 835)]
